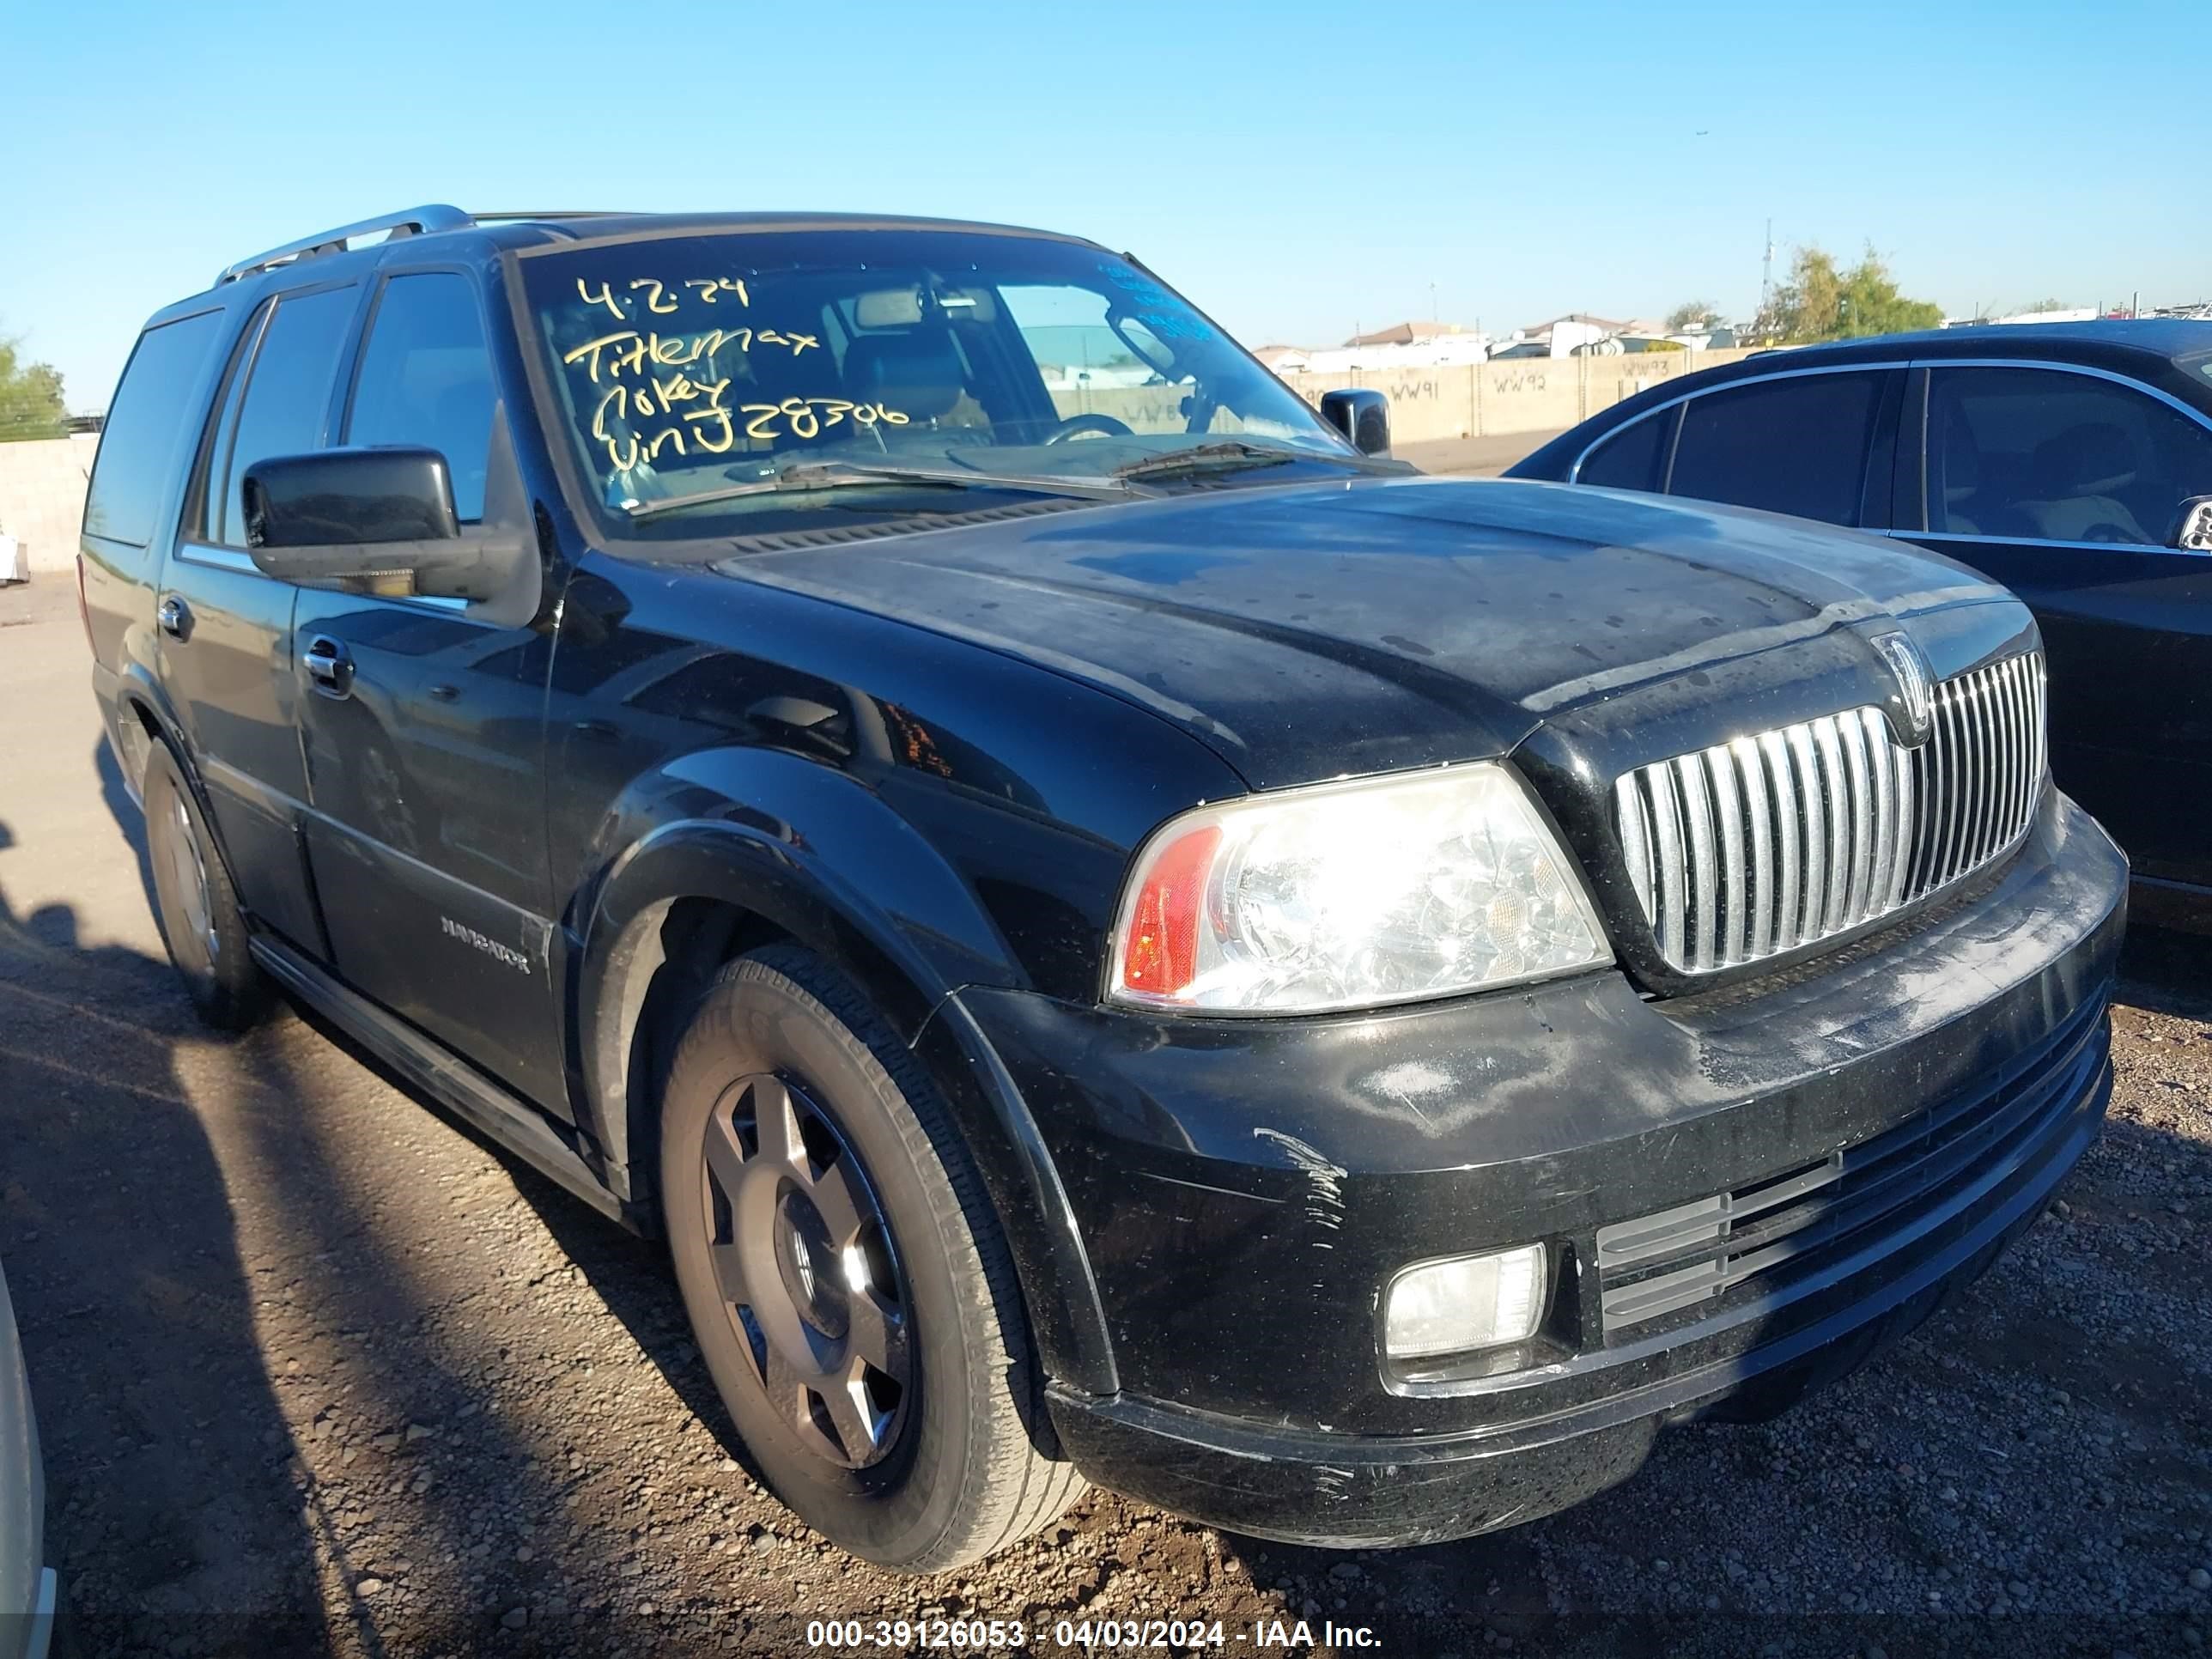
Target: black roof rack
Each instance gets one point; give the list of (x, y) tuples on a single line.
[(409, 222)]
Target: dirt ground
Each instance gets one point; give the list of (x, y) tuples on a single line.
[(320, 1371)]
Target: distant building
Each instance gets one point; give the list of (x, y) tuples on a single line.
[(1074, 377), (1406, 334), (1574, 334), (1438, 345), (2082, 315)]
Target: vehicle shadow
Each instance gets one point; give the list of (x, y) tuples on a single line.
[(372, 1494), (170, 1508), (2168, 970)]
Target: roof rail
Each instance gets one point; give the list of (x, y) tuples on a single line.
[(506, 217), (410, 221)]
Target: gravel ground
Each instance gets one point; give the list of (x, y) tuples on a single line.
[(320, 1371)]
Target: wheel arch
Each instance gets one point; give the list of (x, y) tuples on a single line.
[(694, 895), (143, 720)]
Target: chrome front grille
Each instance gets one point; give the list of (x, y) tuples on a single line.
[(1754, 848)]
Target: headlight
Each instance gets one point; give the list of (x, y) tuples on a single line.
[(1352, 895)]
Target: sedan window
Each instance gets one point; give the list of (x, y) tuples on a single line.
[(1630, 458), (1794, 444), (2048, 455)]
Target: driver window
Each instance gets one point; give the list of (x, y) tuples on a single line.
[(1089, 369), (2051, 455), (426, 379)]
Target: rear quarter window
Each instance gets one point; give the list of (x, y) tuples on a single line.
[(151, 423), (1629, 460)]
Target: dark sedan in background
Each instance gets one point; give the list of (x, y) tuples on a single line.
[(2072, 462)]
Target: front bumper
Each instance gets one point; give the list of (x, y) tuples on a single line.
[(1849, 1143)]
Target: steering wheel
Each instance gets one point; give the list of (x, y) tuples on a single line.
[(1089, 426)]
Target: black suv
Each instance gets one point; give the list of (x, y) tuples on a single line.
[(1117, 933)]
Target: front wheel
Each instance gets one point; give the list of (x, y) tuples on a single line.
[(848, 1281)]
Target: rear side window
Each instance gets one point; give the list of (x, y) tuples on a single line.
[(288, 395), (2046, 455), (1630, 458), (1795, 445), (149, 429), (425, 378)]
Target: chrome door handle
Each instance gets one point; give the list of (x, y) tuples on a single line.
[(174, 616), (329, 666)]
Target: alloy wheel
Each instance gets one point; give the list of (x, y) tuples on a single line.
[(806, 1269), (188, 878)]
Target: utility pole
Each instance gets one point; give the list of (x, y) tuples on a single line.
[(1766, 271), (1433, 316)]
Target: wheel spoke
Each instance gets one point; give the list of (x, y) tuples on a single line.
[(726, 1160), (775, 1125), (876, 1332), (730, 1274), (786, 1389), (841, 1205), (857, 1422)]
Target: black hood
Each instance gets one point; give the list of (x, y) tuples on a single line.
[(1323, 630)]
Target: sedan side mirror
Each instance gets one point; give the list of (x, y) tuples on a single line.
[(1361, 415), (2193, 533)]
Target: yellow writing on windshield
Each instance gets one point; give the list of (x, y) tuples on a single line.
[(635, 424), (671, 377), (661, 298), (626, 351)]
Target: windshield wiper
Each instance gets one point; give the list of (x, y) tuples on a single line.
[(1230, 455), (846, 474)]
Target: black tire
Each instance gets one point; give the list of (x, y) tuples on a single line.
[(196, 905), (966, 1463)]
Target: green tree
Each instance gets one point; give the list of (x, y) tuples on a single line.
[(30, 398), (1692, 315), (1822, 301)]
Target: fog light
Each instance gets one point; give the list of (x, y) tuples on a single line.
[(1466, 1302)]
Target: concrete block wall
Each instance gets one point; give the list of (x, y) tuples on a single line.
[(42, 497), (1435, 406), (1521, 394)]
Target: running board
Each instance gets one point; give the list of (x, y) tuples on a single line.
[(439, 1073)]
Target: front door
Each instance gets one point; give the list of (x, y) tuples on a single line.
[(226, 629), (2067, 487), (423, 727)]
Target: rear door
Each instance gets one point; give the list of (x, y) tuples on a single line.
[(2066, 485), (424, 752), (1816, 444), (225, 639)]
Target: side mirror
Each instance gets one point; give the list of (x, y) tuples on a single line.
[(2193, 533), (382, 521), (1363, 416), (349, 496)]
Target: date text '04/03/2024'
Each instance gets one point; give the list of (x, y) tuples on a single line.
[(659, 391)]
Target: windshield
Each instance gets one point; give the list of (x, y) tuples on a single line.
[(681, 366)]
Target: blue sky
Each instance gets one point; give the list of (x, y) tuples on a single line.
[(1295, 168)]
